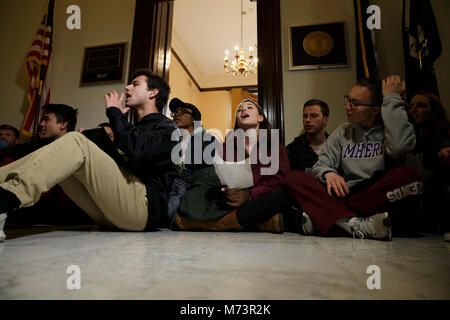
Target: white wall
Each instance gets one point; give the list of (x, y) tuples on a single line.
[(332, 85), (216, 111), (181, 85), (329, 85), (102, 22), (17, 29), (215, 106)]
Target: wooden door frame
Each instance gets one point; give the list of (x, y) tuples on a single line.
[(270, 70), (152, 37), (152, 43)]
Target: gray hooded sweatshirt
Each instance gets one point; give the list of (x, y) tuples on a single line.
[(356, 153)]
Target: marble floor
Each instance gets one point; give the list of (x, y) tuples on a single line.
[(239, 266)]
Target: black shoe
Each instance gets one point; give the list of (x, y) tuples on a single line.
[(8, 201)]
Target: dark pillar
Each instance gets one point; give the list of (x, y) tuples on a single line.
[(270, 81), (152, 36)]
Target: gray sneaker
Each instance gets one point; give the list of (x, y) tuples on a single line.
[(377, 227), (307, 225), (2, 225)]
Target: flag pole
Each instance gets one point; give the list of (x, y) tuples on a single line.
[(38, 88), (361, 39)]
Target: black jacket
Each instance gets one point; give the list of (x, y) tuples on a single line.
[(147, 146), (20, 150), (300, 154), (194, 160)]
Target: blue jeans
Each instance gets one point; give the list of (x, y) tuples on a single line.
[(179, 188)]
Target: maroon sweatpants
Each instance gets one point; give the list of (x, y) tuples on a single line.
[(397, 192)]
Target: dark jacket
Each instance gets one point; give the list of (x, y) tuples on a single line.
[(147, 146), (20, 150), (192, 163), (301, 155), (194, 160), (429, 155), (204, 200)]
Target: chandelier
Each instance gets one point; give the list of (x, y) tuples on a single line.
[(241, 63)]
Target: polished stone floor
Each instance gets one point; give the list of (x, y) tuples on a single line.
[(195, 265)]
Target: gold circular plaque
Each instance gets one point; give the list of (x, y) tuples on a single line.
[(318, 44)]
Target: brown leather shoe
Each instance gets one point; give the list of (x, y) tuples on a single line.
[(183, 224), (229, 222), (274, 224)]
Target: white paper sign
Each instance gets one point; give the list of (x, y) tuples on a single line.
[(234, 174)]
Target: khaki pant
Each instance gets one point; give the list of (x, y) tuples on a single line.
[(109, 194)]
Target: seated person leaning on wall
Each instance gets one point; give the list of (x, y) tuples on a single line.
[(431, 157), (353, 185), (57, 120), (304, 151)]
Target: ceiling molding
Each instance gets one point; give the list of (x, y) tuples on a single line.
[(185, 68), (185, 55)]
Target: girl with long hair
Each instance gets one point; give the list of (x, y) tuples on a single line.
[(431, 157), (258, 207)]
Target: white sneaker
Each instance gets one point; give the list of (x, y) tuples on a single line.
[(2, 225), (307, 225), (377, 227)]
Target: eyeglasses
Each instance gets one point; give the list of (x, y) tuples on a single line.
[(180, 112), (354, 105)]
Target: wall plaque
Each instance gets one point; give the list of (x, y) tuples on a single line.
[(104, 64), (317, 46)]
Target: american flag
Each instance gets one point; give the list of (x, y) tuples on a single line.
[(37, 65)]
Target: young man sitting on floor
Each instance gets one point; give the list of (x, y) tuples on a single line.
[(131, 196)]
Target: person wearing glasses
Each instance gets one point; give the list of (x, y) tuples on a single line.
[(356, 184), (188, 154)]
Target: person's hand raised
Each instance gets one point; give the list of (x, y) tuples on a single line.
[(113, 100), (393, 84)]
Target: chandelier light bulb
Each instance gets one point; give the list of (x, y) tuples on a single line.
[(240, 63)]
